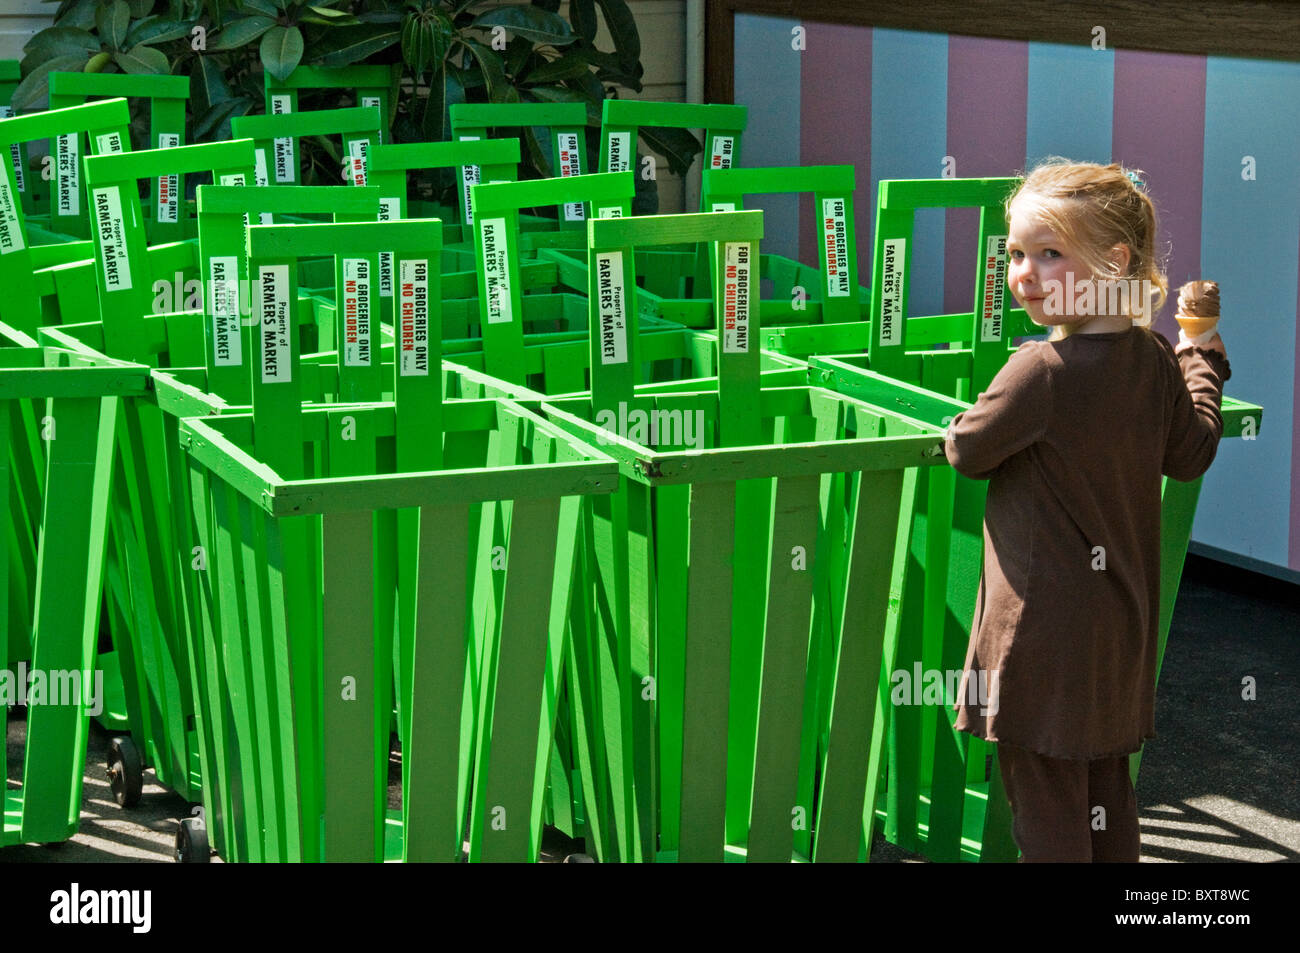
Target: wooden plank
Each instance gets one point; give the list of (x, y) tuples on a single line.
[(775, 813), (351, 807), (509, 739), (431, 753), (65, 631), (707, 673), (857, 667)]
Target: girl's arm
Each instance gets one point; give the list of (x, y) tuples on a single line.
[(1196, 424), (1007, 418)]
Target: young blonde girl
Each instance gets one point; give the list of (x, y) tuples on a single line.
[(1074, 435)]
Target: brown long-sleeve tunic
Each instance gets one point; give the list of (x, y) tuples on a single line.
[(1073, 437)]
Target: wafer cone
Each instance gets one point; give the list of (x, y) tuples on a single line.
[(1198, 307), (1194, 326)]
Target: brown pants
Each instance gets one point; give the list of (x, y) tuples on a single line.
[(1054, 802)]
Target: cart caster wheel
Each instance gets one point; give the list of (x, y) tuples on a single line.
[(125, 772), (579, 859), (192, 842)]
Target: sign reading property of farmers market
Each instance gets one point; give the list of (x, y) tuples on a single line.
[(274, 328), (112, 238), (496, 271), (611, 296), (223, 304)]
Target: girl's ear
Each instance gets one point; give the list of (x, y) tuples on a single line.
[(1119, 257)]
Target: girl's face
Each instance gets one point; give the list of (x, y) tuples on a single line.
[(1040, 262)]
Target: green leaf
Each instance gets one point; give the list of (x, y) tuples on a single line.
[(153, 30), (217, 118), (241, 32), (559, 94), (532, 23), (535, 156), (112, 21), (311, 18), (582, 14), (79, 14), (264, 7), (518, 50), (494, 74), (414, 49), (34, 90), (143, 59), (97, 62), (622, 29), (569, 66), (678, 146), (329, 14), (343, 46), (139, 8), (59, 41), (445, 91), (208, 87), (281, 51)]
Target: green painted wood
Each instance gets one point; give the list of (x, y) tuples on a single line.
[(621, 121), (566, 124), (166, 97), (106, 118), (496, 235), (353, 819), (375, 87), (66, 625), (508, 738), (10, 74), (707, 673), (279, 129), (432, 783), (223, 212), (832, 190), (218, 757), (775, 813), (857, 666)]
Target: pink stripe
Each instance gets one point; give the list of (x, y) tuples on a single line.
[(835, 125), (1295, 448), (1159, 127), (987, 110)]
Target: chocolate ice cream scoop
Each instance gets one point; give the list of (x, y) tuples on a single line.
[(1199, 299)]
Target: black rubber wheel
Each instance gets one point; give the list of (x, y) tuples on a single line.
[(125, 771), (192, 842), (579, 859)]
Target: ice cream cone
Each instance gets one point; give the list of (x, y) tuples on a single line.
[(1198, 307), (1194, 326)]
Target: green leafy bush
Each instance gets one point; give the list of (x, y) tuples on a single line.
[(452, 52)]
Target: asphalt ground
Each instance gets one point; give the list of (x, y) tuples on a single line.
[(1221, 782)]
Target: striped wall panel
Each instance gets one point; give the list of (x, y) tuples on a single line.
[(896, 102)]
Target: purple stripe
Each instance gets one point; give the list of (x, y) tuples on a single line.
[(987, 110), (835, 125), (1295, 448), (1160, 129)]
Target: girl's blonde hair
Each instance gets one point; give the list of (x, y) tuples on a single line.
[(1093, 208)]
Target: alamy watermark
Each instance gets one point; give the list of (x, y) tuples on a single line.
[(917, 686), (65, 688), (1092, 297), (654, 428)]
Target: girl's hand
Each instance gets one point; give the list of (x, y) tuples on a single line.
[(1214, 344)]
